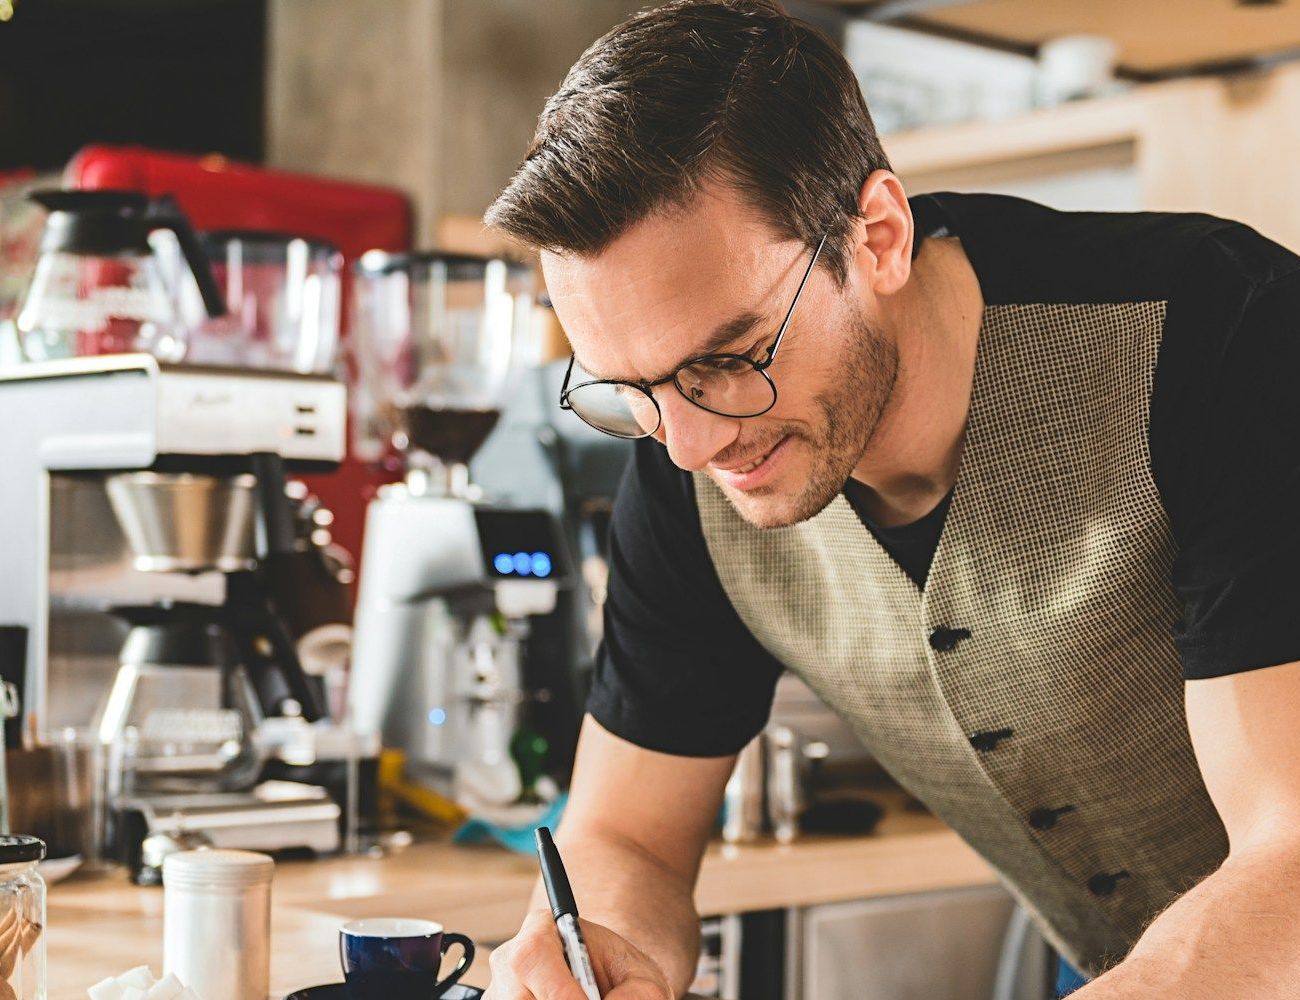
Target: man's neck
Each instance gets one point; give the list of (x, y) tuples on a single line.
[(912, 460)]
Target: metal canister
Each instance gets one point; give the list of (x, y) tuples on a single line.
[(743, 801)]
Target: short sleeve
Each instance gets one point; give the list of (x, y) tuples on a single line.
[(678, 671), (1225, 439)]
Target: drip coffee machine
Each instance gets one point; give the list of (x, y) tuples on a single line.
[(449, 582), (148, 502), (187, 465), (185, 708)]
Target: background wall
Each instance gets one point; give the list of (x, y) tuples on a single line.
[(357, 100), (506, 57), (349, 88)]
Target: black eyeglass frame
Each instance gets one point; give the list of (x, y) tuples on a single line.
[(648, 387)]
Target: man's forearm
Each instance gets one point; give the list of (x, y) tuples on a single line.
[(1236, 936), (621, 886)]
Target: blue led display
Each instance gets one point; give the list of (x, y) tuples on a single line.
[(538, 564), (437, 716)]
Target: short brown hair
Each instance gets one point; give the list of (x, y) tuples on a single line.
[(697, 90)]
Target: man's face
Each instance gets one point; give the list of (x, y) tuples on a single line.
[(658, 295)]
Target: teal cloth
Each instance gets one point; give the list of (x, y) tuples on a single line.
[(517, 838), (1068, 979)]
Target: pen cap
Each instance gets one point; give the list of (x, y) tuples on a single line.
[(554, 876)]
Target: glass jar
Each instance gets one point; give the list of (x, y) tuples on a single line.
[(22, 919), (282, 297)]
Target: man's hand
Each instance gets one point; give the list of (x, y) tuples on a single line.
[(632, 837), (531, 966)]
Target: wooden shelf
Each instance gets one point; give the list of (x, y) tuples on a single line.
[(1040, 133), (1225, 145)]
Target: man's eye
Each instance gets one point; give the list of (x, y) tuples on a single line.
[(726, 366)]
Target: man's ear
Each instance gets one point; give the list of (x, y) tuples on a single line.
[(883, 236)]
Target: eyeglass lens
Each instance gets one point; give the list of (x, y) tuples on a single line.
[(730, 387)]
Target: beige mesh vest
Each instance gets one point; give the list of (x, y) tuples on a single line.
[(1031, 695)]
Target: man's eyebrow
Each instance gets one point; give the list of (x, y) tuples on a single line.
[(722, 336)]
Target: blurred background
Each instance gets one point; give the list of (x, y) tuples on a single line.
[(330, 477), (439, 97)]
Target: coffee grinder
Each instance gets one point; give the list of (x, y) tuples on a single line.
[(450, 583)]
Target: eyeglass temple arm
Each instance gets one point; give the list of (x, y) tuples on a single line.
[(564, 386), (785, 323)]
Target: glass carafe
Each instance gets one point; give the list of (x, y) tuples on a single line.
[(282, 296), (98, 288), (182, 715)]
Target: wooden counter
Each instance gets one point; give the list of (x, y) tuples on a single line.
[(103, 926)]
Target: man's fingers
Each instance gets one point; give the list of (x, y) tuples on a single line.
[(533, 966), (620, 965)]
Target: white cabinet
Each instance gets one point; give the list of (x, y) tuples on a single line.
[(928, 946)]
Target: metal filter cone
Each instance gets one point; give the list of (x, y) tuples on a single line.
[(185, 523)]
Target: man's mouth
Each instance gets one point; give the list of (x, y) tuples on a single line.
[(750, 466), (748, 474)]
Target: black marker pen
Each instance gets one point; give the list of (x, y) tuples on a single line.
[(565, 911)]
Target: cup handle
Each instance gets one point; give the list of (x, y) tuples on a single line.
[(466, 958)]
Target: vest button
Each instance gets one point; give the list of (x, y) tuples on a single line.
[(989, 740), (1103, 883), (944, 639), (1044, 818)]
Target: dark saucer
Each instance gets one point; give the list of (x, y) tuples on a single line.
[(339, 991)]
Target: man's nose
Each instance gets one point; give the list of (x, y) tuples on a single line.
[(692, 435)]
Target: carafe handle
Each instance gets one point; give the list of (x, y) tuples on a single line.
[(165, 213)]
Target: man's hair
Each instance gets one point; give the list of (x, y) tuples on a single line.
[(694, 91)]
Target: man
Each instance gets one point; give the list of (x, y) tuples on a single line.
[(1012, 489)]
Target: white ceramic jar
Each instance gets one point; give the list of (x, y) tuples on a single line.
[(217, 922)]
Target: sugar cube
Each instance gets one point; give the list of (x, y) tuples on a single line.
[(133, 993), (167, 988), (105, 989), (140, 977)]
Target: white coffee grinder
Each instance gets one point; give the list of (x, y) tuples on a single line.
[(448, 581)]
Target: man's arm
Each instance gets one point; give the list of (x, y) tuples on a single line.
[(1237, 934), (633, 833)]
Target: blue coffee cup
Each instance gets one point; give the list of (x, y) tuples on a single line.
[(395, 958)]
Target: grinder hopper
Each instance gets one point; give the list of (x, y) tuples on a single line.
[(439, 339)]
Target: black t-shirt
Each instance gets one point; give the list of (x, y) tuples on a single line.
[(680, 673)]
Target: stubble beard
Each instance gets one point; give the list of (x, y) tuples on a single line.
[(850, 414)]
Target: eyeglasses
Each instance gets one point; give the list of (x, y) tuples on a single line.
[(730, 385)]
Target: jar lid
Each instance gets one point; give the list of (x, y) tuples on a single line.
[(20, 847), (216, 868)]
